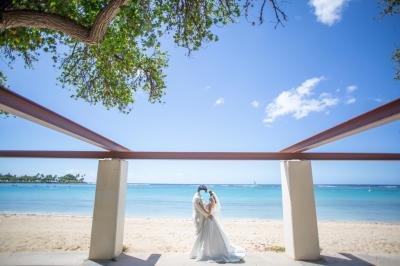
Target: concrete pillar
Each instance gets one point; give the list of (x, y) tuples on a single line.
[(299, 214), (109, 210)]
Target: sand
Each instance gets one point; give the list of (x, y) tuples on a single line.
[(70, 233)]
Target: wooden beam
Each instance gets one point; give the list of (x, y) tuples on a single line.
[(262, 156), (25, 108), (376, 117)]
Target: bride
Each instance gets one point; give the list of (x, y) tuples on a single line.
[(211, 243)]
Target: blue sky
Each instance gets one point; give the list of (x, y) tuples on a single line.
[(256, 89)]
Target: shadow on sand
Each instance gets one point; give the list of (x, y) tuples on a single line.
[(345, 259), (124, 259), (349, 259)]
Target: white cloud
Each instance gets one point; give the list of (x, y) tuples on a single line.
[(219, 101), (378, 100), (255, 104), (306, 87), (328, 12), (298, 102), (351, 100), (351, 88), (207, 87)]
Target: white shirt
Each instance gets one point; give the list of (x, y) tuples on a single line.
[(198, 212)]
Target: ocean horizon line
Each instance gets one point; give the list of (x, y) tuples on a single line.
[(210, 184), (250, 184), (207, 184), (372, 202)]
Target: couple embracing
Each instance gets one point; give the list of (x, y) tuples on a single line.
[(211, 242)]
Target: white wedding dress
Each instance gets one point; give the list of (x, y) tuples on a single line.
[(211, 243)]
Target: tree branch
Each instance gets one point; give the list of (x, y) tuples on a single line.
[(42, 20), (104, 18), (278, 13), (37, 19)]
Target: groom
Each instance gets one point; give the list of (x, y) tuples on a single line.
[(199, 210)]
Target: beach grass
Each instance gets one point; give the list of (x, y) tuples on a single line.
[(125, 249), (277, 249)]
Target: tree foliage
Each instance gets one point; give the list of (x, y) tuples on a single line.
[(41, 178), (390, 8), (396, 58), (109, 49)]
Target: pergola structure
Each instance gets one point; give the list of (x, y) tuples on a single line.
[(299, 213)]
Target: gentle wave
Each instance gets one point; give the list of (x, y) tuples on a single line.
[(334, 202)]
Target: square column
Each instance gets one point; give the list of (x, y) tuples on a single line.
[(109, 210), (299, 214)]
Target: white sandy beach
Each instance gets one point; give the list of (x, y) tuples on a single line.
[(70, 233)]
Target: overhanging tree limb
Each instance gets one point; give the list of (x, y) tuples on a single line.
[(112, 48), (104, 18), (43, 20)]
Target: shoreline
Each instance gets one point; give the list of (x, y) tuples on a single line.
[(219, 184), (32, 232), (2, 213)]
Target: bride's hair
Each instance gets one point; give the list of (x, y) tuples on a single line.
[(212, 195)]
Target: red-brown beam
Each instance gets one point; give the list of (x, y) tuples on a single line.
[(200, 155), (25, 108), (376, 117)]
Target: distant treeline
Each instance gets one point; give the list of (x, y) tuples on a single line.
[(41, 178)]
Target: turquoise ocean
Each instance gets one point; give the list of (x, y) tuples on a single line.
[(334, 202)]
